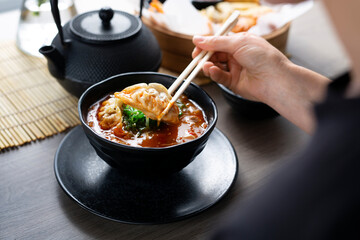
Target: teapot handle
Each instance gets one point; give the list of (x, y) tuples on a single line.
[(56, 15), (141, 8)]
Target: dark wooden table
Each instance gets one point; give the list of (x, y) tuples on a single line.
[(33, 205)]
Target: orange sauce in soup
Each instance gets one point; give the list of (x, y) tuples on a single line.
[(192, 124)]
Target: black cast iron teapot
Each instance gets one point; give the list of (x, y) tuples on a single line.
[(98, 44)]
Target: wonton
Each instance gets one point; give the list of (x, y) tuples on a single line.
[(151, 99), (110, 113)]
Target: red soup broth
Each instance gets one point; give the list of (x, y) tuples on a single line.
[(192, 124)]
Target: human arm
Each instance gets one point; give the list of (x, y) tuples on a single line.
[(254, 69)]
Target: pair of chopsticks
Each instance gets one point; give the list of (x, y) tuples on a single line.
[(197, 63)]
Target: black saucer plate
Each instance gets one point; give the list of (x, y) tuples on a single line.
[(104, 191)]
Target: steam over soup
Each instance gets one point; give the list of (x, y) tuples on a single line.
[(114, 120)]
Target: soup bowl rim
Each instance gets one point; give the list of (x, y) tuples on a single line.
[(209, 128)]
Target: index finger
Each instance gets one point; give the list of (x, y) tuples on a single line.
[(227, 44)]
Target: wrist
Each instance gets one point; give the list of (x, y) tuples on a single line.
[(294, 93), (276, 83)]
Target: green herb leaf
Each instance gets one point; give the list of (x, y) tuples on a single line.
[(181, 107), (136, 121), (41, 2)]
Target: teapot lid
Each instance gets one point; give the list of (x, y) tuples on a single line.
[(105, 26)]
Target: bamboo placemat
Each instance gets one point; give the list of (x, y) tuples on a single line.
[(32, 104)]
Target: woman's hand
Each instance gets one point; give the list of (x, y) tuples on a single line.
[(254, 69), (244, 63)]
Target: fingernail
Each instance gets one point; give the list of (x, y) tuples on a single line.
[(193, 52)]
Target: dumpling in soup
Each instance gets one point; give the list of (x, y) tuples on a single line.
[(151, 99), (110, 113)]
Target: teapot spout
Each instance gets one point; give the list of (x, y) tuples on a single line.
[(56, 61)]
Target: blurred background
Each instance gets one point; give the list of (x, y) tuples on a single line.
[(312, 42)]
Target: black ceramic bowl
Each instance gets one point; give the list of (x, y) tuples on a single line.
[(141, 160), (248, 109)]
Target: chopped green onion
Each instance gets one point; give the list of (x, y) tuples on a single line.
[(136, 121), (181, 106)]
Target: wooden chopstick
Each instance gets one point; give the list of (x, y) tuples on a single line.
[(197, 63)]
